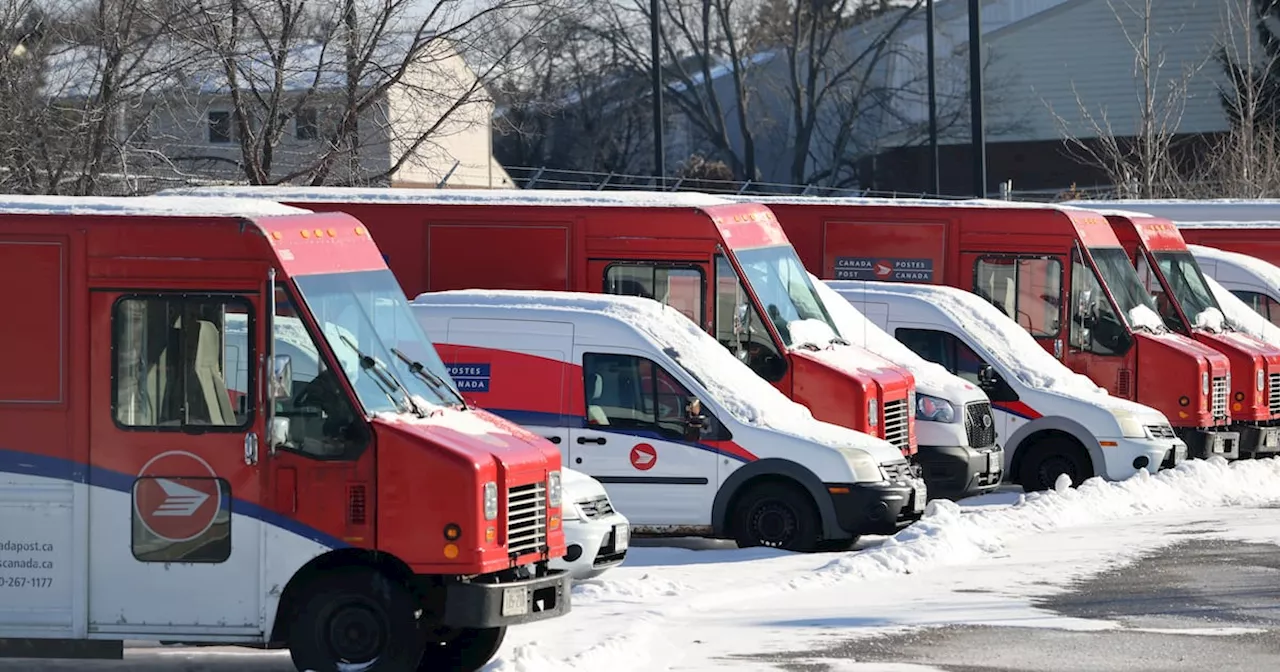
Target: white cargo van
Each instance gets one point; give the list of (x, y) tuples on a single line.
[(1051, 421), (954, 423), (684, 436), (1250, 279)]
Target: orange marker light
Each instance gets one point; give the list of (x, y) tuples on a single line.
[(277, 235), (359, 230), (332, 233), (319, 233), (490, 534), (306, 233), (450, 551)]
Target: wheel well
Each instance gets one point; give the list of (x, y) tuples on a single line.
[(296, 590), (1045, 436), (757, 481)]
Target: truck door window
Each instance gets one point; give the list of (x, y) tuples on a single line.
[(678, 287), (1094, 325), (944, 349), (1261, 304), (1151, 283), (1027, 289), (635, 394), (323, 422), (177, 360), (740, 328)]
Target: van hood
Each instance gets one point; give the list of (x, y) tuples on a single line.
[(478, 436), (579, 486)]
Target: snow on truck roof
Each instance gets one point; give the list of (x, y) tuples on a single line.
[(394, 195), (157, 206), (975, 203), (748, 397), (1209, 213)]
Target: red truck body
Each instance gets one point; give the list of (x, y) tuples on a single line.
[(1173, 277), (1035, 263), (145, 378), (726, 265)]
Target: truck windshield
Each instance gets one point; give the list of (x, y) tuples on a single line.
[(364, 314), (1186, 283), (1117, 273), (782, 284)]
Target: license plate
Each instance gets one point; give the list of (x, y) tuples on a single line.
[(1180, 453), (922, 493), (1270, 440), (515, 601), (994, 463), (621, 537)]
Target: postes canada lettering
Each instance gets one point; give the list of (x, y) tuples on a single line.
[(456, 370), (472, 384)]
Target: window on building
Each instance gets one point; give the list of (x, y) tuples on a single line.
[(678, 287), (177, 362), (219, 127), (630, 393), (1027, 289), (306, 125)]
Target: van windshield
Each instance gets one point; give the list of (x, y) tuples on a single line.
[(364, 314), (782, 285)]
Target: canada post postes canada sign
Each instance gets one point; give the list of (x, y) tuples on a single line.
[(470, 377), (884, 268)]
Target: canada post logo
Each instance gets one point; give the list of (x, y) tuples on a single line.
[(177, 496), (470, 377), (882, 268)]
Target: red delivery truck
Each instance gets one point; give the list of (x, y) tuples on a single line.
[(1059, 272), (727, 266), (1187, 306), (168, 473)]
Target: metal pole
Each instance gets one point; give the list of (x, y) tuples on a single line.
[(975, 102), (655, 38), (934, 163)]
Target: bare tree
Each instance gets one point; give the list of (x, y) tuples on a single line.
[(1141, 162)]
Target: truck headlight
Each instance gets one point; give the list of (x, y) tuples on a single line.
[(873, 412), (1131, 426), (490, 500), (911, 403), (1204, 383), (553, 489), (1262, 380), (933, 409)]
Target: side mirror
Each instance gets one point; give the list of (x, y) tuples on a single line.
[(280, 385), (988, 379), (694, 420), (278, 432)]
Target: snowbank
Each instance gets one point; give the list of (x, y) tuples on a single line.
[(558, 197), (948, 535), (735, 386), (142, 206), (857, 329), (1242, 317)]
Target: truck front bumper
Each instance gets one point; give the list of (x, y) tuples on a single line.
[(1257, 441), (492, 605), (956, 472), (1206, 443), (878, 508)]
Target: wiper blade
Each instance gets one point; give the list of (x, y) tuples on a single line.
[(427, 376), (386, 381), (839, 340)]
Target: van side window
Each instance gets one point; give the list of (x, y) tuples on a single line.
[(1261, 304), (944, 349), (1027, 289), (679, 287), (176, 362), (740, 327), (323, 422), (633, 393)]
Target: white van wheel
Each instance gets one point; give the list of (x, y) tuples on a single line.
[(1051, 457), (777, 515)]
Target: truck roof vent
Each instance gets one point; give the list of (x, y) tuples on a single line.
[(357, 512)]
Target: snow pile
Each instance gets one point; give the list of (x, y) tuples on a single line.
[(1210, 319), (1242, 317), (856, 328), (537, 197), (1263, 270), (735, 387), (153, 206), (1142, 317), (948, 535)]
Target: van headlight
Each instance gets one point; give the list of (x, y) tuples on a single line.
[(934, 409), (553, 489), (1131, 426), (490, 500), (571, 512), (863, 466)]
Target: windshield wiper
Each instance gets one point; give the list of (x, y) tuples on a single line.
[(386, 381), (839, 340), (427, 376)]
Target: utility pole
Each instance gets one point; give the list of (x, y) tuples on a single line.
[(975, 100), (659, 151), (934, 164)]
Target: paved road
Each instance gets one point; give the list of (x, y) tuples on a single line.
[(1203, 604)]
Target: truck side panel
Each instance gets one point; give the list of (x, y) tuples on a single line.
[(902, 252), (496, 256), (43, 516)]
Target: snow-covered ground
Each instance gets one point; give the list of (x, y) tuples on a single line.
[(982, 562)]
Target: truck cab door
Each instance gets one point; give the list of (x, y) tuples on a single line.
[(176, 482), (1028, 288)]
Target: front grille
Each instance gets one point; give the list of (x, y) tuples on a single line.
[(526, 518), (1273, 397), (596, 508), (979, 424), (897, 471), (896, 429), (1161, 431), (1218, 402)]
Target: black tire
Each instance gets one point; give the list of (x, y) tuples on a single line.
[(356, 616), (461, 650), (1051, 457), (777, 515)]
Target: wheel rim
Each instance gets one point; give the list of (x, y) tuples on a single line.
[(774, 524), (1054, 466), (357, 633)]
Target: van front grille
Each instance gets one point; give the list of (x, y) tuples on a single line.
[(526, 519), (979, 424), (896, 427), (597, 507), (1161, 431), (1218, 402), (1273, 396)]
